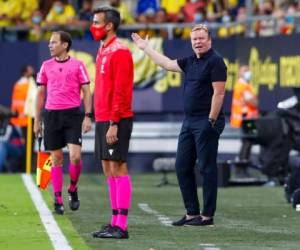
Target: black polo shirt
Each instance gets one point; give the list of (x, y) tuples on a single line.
[(199, 74)]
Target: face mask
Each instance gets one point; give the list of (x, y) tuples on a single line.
[(98, 33), (58, 9), (247, 76), (226, 19), (36, 19), (198, 17), (268, 12), (194, 1)]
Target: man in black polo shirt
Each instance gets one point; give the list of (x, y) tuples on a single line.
[(204, 89)]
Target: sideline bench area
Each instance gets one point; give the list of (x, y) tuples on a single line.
[(161, 137)]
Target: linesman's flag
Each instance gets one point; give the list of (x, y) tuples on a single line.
[(43, 168)]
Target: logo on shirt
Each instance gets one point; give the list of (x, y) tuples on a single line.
[(110, 151)]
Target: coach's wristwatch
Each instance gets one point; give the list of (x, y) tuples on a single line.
[(212, 121), (90, 115), (112, 123)]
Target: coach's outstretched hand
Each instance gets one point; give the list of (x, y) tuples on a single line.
[(140, 42)]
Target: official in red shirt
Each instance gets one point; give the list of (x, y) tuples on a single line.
[(113, 114)]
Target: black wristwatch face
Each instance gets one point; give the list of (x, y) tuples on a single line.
[(212, 121), (90, 115)]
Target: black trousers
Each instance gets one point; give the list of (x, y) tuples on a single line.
[(198, 140)]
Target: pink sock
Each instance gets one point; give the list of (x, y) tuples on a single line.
[(111, 181), (123, 199), (57, 182), (74, 172)]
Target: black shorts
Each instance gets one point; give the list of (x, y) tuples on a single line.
[(62, 127), (118, 151)]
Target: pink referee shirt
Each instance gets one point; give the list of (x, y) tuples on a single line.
[(63, 80)]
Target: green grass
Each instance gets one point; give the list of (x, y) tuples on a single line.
[(65, 224), (20, 225), (246, 218)]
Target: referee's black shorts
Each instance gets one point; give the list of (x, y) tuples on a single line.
[(117, 151), (62, 127)]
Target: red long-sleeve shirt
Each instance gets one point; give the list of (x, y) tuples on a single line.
[(114, 82)]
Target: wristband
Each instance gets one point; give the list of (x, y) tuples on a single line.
[(112, 123), (90, 115)]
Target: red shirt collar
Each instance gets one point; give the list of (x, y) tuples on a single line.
[(109, 41)]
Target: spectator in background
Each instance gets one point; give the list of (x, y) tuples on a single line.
[(244, 106), (161, 17), (146, 6), (285, 19), (9, 16), (143, 19), (193, 11), (244, 100), (12, 146), (181, 33), (19, 96), (232, 6), (225, 30), (27, 7), (240, 29), (45, 7), (35, 27), (126, 17), (213, 10), (85, 17), (172, 8), (266, 27), (9, 11), (60, 13)]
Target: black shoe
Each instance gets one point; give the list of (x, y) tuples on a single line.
[(181, 222), (114, 233), (59, 208), (103, 230), (198, 221), (74, 202)]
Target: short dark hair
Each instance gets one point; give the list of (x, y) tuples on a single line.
[(111, 15), (24, 69), (65, 37)]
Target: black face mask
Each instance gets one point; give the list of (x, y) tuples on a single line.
[(268, 12)]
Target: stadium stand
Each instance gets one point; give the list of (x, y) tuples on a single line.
[(31, 20)]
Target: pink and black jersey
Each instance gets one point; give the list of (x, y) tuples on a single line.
[(63, 80)]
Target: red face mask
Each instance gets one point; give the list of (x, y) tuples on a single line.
[(98, 33)]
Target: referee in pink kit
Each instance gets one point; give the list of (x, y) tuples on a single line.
[(62, 78)]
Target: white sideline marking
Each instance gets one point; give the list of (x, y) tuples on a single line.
[(161, 217), (56, 236), (209, 246)]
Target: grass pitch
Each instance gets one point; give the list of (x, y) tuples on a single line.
[(246, 218)]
